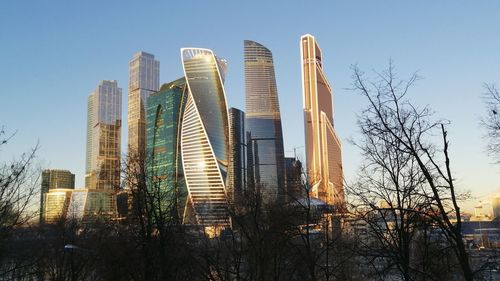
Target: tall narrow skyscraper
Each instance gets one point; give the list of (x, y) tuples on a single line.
[(205, 137), (237, 175), (323, 148), (263, 122), (144, 79), (104, 124)]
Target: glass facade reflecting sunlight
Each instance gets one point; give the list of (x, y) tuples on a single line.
[(205, 137), (54, 179), (323, 148), (104, 124), (163, 158), (144, 77), (266, 171)]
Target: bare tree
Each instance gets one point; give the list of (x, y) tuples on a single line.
[(406, 162), (154, 221), (491, 122), (18, 187)]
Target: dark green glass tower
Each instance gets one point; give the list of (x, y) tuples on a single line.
[(164, 164)]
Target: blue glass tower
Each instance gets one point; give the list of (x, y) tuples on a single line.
[(266, 171)]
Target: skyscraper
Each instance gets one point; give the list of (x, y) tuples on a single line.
[(323, 148), (54, 179), (144, 79), (205, 137), (56, 204), (263, 121), (104, 123), (164, 165), (237, 165)]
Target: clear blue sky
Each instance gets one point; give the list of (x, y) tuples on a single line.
[(54, 53)]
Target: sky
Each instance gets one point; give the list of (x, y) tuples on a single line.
[(54, 53)]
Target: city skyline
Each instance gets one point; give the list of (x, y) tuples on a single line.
[(479, 178)]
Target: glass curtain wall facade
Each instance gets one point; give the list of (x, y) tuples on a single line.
[(87, 205), (237, 165), (205, 137), (54, 179), (144, 80), (164, 161), (266, 172), (104, 137), (323, 148), (57, 203)]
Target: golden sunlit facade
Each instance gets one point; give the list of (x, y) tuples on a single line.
[(88, 204), (54, 179), (56, 204), (205, 138), (323, 148), (104, 124), (144, 80)]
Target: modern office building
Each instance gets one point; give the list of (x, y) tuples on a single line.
[(104, 123), (263, 122), (54, 179), (56, 205), (205, 138), (323, 148), (495, 205), (296, 190), (164, 162), (144, 80), (90, 204), (237, 174)]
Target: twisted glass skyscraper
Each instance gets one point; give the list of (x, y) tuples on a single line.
[(205, 136), (265, 138), (323, 148)]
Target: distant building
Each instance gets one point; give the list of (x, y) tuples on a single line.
[(323, 148), (237, 175), (482, 212), (87, 205), (295, 188), (482, 233), (263, 122), (56, 204), (54, 179), (104, 124), (163, 160), (144, 80), (495, 205)]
